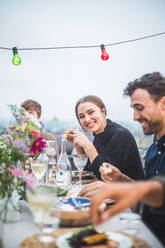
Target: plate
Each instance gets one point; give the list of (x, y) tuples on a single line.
[(124, 242), (74, 203), (75, 211)]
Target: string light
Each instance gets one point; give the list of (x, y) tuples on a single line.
[(104, 54), (16, 59)]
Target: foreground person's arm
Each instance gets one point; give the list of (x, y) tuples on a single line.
[(126, 195), (114, 176)]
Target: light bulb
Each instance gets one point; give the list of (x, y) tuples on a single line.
[(16, 59), (104, 54)]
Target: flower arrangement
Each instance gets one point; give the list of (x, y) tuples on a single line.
[(21, 140)]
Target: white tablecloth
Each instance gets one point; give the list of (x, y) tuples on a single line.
[(13, 234)]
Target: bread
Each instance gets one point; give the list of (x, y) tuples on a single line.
[(67, 132), (105, 169)]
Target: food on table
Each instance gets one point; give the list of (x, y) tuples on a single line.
[(87, 176), (105, 169), (62, 191), (89, 238), (95, 238), (83, 173), (67, 132)]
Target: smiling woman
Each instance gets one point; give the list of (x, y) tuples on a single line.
[(112, 143)]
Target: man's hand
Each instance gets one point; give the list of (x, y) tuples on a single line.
[(112, 176), (123, 193), (115, 175), (91, 189), (126, 195)]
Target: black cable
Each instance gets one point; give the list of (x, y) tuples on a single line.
[(88, 46)]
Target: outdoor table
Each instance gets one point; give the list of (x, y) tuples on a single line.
[(15, 233)]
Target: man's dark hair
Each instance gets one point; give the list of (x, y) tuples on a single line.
[(154, 83), (32, 105)]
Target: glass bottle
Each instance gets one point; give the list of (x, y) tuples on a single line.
[(63, 169)]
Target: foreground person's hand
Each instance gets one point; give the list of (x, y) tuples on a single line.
[(122, 193), (91, 189), (126, 195)]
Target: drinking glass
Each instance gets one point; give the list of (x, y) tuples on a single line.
[(131, 221), (38, 166), (50, 152), (80, 162), (41, 200)]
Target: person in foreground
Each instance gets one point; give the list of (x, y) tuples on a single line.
[(34, 108), (147, 96), (112, 143), (126, 195)]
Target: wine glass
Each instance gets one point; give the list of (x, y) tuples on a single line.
[(131, 221), (41, 200), (80, 162), (39, 166), (50, 152)]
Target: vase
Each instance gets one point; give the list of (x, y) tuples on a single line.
[(1, 234), (10, 209)]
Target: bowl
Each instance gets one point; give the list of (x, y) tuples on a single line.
[(87, 177), (75, 211)]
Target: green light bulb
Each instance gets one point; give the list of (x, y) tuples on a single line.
[(16, 59)]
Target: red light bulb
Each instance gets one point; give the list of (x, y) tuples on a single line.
[(104, 55)]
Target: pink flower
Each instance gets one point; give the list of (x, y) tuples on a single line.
[(30, 180), (37, 145), (15, 172), (35, 133), (21, 145), (11, 129), (8, 138)]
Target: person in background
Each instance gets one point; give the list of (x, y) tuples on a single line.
[(34, 108), (112, 143)]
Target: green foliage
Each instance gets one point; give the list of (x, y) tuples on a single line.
[(10, 157)]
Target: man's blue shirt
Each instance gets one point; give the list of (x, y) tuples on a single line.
[(155, 165), (155, 158)]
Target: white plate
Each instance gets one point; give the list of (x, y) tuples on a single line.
[(124, 242)]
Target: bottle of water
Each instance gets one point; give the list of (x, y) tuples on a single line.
[(63, 169)]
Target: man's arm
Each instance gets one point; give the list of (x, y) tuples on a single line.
[(126, 195), (115, 175)]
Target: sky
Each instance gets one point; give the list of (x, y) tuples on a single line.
[(58, 78)]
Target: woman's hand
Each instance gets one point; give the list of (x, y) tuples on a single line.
[(71, 139), (80, 139)]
